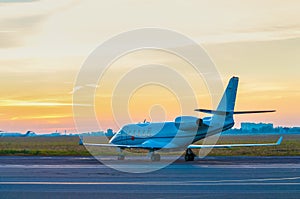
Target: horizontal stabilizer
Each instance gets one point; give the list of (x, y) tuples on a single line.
[(249, 112), (216, 112)]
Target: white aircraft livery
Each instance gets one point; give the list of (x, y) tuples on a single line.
[(184, 131)]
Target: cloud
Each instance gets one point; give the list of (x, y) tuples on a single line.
[(20, 19), (252, 35), (75, 89), (80, 87), (17, 1), (92, 85), (7, 40), (14, 30), (23, 103), (60, 28), (40, 117)]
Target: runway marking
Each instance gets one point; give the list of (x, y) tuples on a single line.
[(53, 166), (251, 166), (254, 181), (163, 183), (84, 166), (251, 180)]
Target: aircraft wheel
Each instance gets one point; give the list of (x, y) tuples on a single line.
[(189, 155), (155, 157), (121, 157), (192, 157)]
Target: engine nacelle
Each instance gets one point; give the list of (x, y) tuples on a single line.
[(188, 123)]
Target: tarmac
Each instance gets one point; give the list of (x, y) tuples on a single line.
[(211, 177)]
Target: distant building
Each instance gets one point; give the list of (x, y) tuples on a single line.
[(283, 130), (17, 134), (56, 134), (294, 130), (11, 134), (109, 132), (98, 133), (256, 127), (30, 134)]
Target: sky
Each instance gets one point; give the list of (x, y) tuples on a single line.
[(43, 44)]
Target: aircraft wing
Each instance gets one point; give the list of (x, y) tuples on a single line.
[(112, 145), (234, 145), (149, 144)]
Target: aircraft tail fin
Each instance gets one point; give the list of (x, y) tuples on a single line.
[(224, 112), (227, 102)]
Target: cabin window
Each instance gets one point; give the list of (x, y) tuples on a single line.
[(149, 132)]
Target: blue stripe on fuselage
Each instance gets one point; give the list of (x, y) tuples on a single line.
[(165, 135)]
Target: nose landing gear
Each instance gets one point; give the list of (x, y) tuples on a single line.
[(155, 157), (121, 155)]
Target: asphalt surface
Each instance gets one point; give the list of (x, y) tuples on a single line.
[(212, 177)]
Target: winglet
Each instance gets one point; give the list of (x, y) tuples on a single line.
[(279, 140)]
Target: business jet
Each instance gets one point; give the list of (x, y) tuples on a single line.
[(184, 131)]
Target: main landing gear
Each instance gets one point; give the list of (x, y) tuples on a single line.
[(155, 157), (189, 155)]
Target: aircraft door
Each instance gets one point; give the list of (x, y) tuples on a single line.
[(124, 137)]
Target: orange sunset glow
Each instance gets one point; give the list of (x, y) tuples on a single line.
[(44, 43)]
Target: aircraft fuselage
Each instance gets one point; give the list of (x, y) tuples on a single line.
[(163, 135)]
